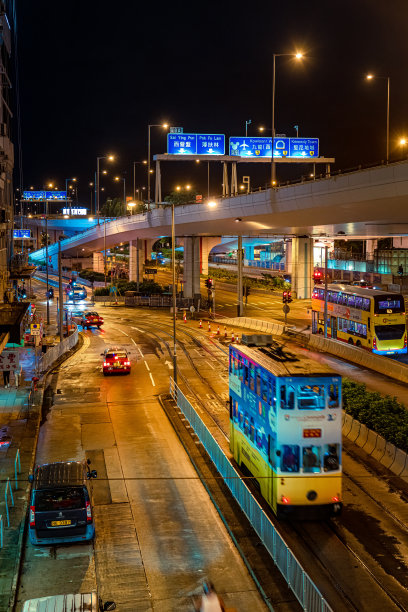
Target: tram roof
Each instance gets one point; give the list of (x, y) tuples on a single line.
[(302, 367), (363, 291)]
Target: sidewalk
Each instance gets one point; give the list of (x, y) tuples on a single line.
[(21, 421)]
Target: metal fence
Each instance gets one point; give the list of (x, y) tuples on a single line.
[(47, 359), (265, 265), (298, 580), (157, 301)]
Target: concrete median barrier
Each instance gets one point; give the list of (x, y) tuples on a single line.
[(379, 451), (389, 455), (400, 462), (369, 446), (362, 436), (354, 431)]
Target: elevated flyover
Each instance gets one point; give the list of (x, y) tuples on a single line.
[(366, 203)]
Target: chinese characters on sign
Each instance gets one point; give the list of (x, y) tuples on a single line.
[(21, 233), (44, 195), (74, 211), (196, 144), (9, 360), (246, 146)]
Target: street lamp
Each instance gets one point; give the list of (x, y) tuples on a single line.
[(131, 205), (370, 77), (402, 142), (134, 175), (162, 125), (66, 191), (122, 178), (298, 56), (246, 126), (109, 158)]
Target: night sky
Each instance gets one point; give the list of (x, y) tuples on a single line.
[(94, 74)]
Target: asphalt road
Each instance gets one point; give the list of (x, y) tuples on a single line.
[(158, 534)]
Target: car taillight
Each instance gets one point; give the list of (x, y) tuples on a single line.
[(405, 341), (284, 499), (104, 364), (127, 362), (336, 498), (32, 516), (88, 512)]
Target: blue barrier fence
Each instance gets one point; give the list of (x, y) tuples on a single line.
[(17, 467), (8, 488), (298, 580)]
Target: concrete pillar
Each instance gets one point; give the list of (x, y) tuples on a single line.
[(97, 262), (147, 245), (206, 245), (134, 258), (240, 300), (371, 245), (288, 256), (191, 268), (302, 267)]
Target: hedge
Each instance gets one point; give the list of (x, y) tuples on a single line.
[(384, 415)]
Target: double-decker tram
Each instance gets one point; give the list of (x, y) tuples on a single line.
[(370, 318), (285, 429)]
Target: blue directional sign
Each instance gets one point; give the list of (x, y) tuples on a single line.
[(44, 195), (21, 233), (196, 144), (246, 146), (260, 146), (304, 147)]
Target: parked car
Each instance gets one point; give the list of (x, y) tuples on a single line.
[(61, 503)]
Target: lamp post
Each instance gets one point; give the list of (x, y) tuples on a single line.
[(110, 158), (298, 56), (122, 178), (370, 77), (162, 125), (246, 126), (402, 143), (134, 176), (66, 191)]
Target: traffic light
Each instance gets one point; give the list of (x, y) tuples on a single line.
[(289, 299), (317, 277), (285, 297), (209, 283), (246, 290)]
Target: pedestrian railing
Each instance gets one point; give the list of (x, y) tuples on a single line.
[(56, 351), (298, 580), (17, 467), (8, 488)]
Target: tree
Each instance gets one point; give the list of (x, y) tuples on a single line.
[(113, 208), (45, 239), (182, 197)]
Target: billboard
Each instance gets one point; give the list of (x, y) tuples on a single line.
[(261, 146), (196, 144), (44, 195)]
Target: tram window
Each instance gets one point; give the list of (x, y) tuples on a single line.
[(291, 397), (246, 425), (251, 378), (331, 455), (271, 449), (283, 396), (258, 384), (290, 458), (258, 438), (311, 459), (240, 370), (264, 389), (333, 396), (236, 410), (246, 375), (241, 420), (252, 431), (311, 397), (272, 392)]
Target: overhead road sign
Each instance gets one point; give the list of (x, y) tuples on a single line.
[(44, 195), (245, 160), (176, 130), (196, 144), (21, 234), (261, 146), (74, 211)]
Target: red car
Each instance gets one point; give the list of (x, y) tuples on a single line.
[(115, 361), (91, 319)]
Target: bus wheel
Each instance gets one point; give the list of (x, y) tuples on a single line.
[(350, 341), (358, 343)]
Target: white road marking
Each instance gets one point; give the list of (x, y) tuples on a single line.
[(134, 342), (148, 369), (211, 366), (122, 332), (151, 378)]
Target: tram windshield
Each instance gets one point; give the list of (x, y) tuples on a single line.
[(311, 397)]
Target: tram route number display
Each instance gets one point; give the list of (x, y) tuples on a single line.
[(312, 433)]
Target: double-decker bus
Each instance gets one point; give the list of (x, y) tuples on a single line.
[(285, 429), (370, 318)]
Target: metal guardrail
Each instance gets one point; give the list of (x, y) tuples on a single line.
[(8, 488), (298, 580), (17, 461), (56, 351)]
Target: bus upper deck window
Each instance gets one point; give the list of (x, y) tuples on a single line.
[(283, 396)]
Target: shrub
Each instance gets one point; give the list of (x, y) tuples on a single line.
[(384, 415)]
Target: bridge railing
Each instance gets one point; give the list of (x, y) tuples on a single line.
[(306, 592)]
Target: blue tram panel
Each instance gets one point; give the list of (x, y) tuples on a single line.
[(287, 426)]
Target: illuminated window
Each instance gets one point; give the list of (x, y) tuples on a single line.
[(290, 458), (311, 459)]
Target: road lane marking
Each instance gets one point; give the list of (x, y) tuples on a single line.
[(151, 378), (148, 369), (124, 333)]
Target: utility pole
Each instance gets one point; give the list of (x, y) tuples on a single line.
[(240, 305), (46, 260), (326, 251), (61, 294)]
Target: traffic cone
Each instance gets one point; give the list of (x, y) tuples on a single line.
[(218, 330), (238, 341), (185, 317), (232, 337), (201, 324), (225, 332), (209, 326)]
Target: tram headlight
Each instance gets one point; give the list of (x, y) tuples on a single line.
[(311, 495)]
